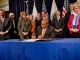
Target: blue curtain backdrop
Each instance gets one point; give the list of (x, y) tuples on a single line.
[(16, 6), (39, 5), (48, 4), (72, 1), (31, 3)]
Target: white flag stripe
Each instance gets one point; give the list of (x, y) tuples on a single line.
[(53, 9), (64, 12), (78, 1), (34, 13)]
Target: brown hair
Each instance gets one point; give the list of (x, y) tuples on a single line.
[(23, 12), (2, 10), (76, 4), (45, 20)]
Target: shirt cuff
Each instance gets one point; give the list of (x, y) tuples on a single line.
[(6, 31)]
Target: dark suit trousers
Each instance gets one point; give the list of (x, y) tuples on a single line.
[(4, 37), (75, 35), (59, 35)]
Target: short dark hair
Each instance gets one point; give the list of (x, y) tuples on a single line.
[(2, 10), (44, 12)]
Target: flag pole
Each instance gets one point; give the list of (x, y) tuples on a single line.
[(43, 1), (34, 13), (34, 2), (27, 7)]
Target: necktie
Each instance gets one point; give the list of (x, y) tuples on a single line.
[(43, 32), (2, 20), (58, 18), (13, 24)]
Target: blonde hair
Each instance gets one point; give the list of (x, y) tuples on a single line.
[(76, 4), (31, 15), (23, 12), (2, 10)]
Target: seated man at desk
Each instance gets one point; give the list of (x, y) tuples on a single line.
[(45, 30)]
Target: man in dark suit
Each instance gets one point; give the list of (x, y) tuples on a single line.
[(58, 24), (45, 15), (45, 30), (38, 19), (5, 26), (66, 19)]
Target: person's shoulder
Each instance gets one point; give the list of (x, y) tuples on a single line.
[(34, 21), (50, 27), (54, 18), (39, 27), (72, 15), (7, 18), (28, 21), (68, 13), (62, 18), (20, 19)]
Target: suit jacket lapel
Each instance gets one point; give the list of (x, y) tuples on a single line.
[(40, 30), (4, 22), (47, 31), (0, 20)]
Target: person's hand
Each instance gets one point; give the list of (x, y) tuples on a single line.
[(15, 32), (56, 30), (33, 37), (60, 29), (71, 29), (3, 33), (76, 30), (40, 37), (25, 33), (0, 33)]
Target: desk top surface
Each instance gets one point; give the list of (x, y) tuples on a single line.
[(64, 40)]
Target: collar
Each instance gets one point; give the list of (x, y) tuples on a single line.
[(45, 28), (2, 18)]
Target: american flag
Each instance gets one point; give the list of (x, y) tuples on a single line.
[(44, 8), (64, 11), (53, 10), (27, 11), (65, 7)]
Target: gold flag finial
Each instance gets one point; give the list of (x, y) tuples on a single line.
[(35, 2)]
